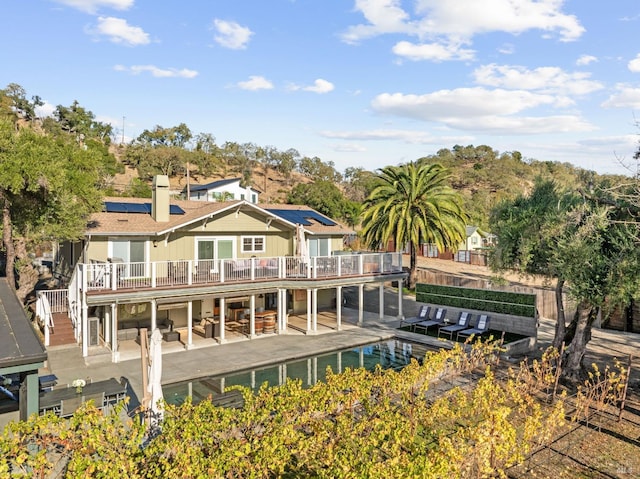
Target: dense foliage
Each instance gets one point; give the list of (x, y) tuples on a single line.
[(357, 424), (414, 204)]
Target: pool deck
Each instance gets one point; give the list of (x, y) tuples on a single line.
[(242, 354)]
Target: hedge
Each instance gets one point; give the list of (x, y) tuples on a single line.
[(505, 302)]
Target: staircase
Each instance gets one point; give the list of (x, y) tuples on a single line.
[(62, 332)]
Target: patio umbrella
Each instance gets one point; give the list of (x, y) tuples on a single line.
[(154, 388), (301, 244)]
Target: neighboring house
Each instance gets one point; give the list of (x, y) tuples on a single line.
[(207, 267), (222, 190), (474, 239)]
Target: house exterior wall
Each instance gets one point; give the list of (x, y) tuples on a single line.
[(238, 192)]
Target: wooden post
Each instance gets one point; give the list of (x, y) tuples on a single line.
[(626, 386)]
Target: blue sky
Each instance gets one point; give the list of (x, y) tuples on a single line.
[(363, 83)]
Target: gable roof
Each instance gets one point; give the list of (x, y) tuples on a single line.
[(216, 184), (133, 221)]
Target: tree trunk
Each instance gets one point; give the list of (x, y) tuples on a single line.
[(28, 275), (573, 368), (558, 339), (413, 268), (7, 239)]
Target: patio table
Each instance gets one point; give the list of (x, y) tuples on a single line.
[(113, 390)]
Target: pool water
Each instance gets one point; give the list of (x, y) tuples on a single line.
[(391, 354)]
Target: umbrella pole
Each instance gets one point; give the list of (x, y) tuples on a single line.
[(144, 357)]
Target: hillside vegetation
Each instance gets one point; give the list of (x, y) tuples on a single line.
[(482, 175)]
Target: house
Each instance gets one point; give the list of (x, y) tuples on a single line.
[(209, 268), (222, 190)]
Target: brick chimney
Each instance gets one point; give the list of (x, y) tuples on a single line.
[(160, 199)]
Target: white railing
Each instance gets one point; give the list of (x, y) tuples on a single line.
[(117, 276)]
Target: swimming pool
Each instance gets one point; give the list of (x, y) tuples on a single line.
[(391, 354)]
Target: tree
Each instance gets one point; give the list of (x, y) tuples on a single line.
[(18, 102), (528, 228), (81, 123), (323, 196), (586, 242), (42, 200), (414, 204)]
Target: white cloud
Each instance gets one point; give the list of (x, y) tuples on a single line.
[(319, 86), (432, 51), (407, 136), (92, 6), (625, 97), (479, 109), (231, 34), (461, 102), (543, 79), (586, 60), (157, 72), (455, 23), (507, 49), (384, 16), (255, 83), (467, 18), (119, 31), (349, 148), (45, 110), (634, 65)]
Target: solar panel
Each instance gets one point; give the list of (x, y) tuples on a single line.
[(144, 208), (302, 217)]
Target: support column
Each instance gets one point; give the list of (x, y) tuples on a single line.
[(400, 312), (29, 395), (360, 304), (339, 308), (154, 315), (189, 344), (84, 329), (223, 309), (252, 315), (115, 353), (381, 300), (308, 311), (314, 305)]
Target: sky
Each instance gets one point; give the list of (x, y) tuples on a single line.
[(360, 83)]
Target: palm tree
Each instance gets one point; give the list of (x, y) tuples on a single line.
[(414, 203)]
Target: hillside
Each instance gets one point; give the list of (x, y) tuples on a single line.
[(483, 176)]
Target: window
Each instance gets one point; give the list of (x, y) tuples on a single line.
[(474, 240), (319, 247), (253, 244), (131, 252), (242, 196), (254, 198)]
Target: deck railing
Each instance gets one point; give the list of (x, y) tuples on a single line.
[(118, 275)]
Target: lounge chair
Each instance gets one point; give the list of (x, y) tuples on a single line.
[(481, 327), (423, 315), (438, 320), (463, 323)]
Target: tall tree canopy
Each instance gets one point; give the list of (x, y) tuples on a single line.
[(47, 190), (414, 204), (587, 242)]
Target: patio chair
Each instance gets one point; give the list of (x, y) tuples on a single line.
[(481, 327), (423, 314), (464, 319), (438, 320), (69, 406)]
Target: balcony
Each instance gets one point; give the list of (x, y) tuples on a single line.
[(114, 276)]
